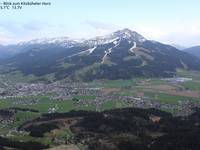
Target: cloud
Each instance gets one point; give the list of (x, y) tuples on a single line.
[(183, 39), (100, 25), (34, 26), (12, 32), (182, 33), (5, 36), (17, 28), (186, 34), (100, 28)]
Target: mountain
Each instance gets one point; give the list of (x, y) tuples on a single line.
[(127, 34), (7, 51), (120, 55), (179, 47), (193, 50)]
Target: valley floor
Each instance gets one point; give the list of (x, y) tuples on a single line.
[(24, 102)]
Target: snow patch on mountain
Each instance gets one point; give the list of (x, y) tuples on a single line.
[(101, 40), (92, 49), (87, 52), (106, 53), (60, 41), (130, 36), (110, 50), (133, 47)]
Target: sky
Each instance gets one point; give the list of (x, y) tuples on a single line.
[(168, 21)]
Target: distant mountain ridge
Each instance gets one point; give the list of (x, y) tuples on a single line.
[(120, 55), (195, 50)]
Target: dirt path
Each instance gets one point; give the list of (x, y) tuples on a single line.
[(65, 147), (64, 122)]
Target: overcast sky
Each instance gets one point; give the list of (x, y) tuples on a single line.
[(168, 21)]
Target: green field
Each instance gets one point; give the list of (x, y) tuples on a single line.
[(168, 99), (112, 105), (115, 83), (85, 97), (44, 104), (192, 85)]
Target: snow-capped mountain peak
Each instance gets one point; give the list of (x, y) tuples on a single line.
[(115, 37), (61, 41), (127, 34)]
